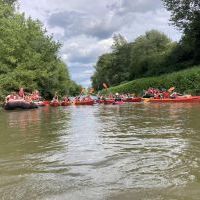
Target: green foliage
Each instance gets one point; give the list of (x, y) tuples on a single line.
[(118, 42), (184, 81), (75, 89), (185, 14), (128, 61), (147, 54), (29, 57), (11, 2), (154, 53)]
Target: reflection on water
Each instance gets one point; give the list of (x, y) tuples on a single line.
[(145, 151)]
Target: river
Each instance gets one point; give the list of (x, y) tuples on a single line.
[(133, 151)]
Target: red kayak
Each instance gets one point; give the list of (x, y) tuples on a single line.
[(46, 103), (118, 103), (108, 101), (99, 101), (136, 99), (176, 100), (84, 103), (55, 103), (65, 103)]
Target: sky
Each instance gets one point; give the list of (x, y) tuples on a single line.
[(85, 27)]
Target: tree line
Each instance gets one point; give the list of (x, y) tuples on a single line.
[(153, 53), (29, 57)]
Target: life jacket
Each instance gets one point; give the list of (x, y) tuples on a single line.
[(166, 95)]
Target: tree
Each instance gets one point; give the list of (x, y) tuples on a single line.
[(29, 57), (103, 71), (185, 14), (118, 42), (11, 2), (147, 54)]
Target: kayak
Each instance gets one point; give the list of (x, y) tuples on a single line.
[(65, 103), (84, 103), (118, 103), (55, 103), (108, 101), (136, 99), (46, 103), (99, 101), (176, 100)]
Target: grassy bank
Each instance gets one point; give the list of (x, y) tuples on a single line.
[(186, 81)]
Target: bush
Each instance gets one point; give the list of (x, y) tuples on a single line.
[(184, 81)]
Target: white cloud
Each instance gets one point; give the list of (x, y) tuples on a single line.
[(85, 28), (84, 49)]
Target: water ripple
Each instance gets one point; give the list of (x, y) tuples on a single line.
[(100, 152)]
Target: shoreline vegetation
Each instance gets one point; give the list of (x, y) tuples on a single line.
[(30, 57), (153, 59), (186, 81)]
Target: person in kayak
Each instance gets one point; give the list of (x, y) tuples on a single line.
[(55, 98), (10, 97), (166, 95), (35, 96), (21, 93), (174, 95), (118, 97), (66, 99), (88, 98)]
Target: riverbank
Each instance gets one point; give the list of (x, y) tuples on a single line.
[(185, 81)]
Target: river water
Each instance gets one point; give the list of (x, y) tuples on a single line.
[(133, 151)]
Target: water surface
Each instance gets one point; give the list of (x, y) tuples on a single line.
[(133, 151)]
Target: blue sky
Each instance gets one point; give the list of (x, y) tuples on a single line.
[(86, 27)]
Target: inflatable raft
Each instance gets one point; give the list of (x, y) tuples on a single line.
[(12, 105)]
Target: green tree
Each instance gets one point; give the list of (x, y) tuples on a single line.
[(29, 57), (147, 54), (11, 2), (103, 71), (118, 42), (185, 14)]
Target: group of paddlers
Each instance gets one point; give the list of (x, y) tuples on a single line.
[(67, 99), (35, 96), (22, 96), (116, 96), (24, 100), (161, 94)]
